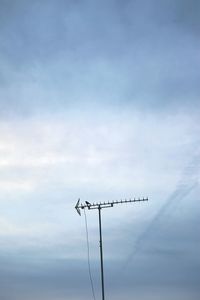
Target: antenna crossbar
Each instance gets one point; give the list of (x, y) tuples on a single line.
[(108, 204)]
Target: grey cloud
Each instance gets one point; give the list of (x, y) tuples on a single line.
[(88, 52), (46, 278), (43, 279)]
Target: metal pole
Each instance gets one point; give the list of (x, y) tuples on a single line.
[(101, 254), (99, 206)]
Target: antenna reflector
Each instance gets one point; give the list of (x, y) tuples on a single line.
[(77, 207)]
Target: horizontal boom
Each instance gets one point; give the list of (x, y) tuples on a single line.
[(100, 205)]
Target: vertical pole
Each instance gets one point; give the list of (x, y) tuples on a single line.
[(101, 254)]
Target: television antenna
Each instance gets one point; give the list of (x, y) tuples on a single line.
[(100, 206)]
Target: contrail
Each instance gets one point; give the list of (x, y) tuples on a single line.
[(188, 181)]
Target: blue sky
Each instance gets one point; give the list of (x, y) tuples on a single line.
[(99, 100)]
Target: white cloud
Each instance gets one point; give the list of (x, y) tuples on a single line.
[(117, 154), (21, 185), (116, 151)]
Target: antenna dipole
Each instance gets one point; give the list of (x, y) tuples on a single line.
[(100, 206)]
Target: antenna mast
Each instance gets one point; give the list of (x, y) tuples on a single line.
[(99, 206)]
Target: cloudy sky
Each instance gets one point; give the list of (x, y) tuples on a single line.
[(99, 100)]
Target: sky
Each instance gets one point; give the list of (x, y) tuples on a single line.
[(99, 100)]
